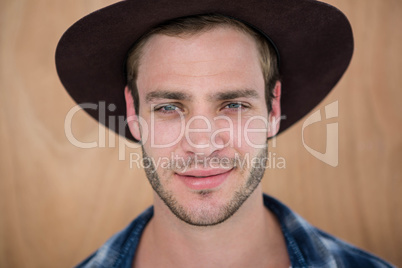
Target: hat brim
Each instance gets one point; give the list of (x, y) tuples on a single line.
[(314, 41)]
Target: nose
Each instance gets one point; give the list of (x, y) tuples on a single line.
[(202, 136)]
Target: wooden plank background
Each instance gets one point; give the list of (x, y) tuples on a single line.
[(58, 202)]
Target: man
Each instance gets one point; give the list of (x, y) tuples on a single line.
[(203, 90)]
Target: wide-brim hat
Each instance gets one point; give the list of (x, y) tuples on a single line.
[(313, 40)]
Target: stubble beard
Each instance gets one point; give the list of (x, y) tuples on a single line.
[(204, 218)]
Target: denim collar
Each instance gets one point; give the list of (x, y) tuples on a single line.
[(307, 246)]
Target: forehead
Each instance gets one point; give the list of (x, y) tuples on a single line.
[(216, 59)]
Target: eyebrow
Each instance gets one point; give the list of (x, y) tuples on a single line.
[(166, 94), (234, 94), (226, 95)]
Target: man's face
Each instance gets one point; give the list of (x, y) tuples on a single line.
[(203, 122)]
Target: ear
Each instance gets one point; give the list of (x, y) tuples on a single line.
[(275, 114), (132, 118)]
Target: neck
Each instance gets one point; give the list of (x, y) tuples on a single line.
[(250, 238)]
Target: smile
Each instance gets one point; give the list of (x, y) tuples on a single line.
[(203, 179)]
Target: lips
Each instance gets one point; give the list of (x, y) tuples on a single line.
[(204, 179)]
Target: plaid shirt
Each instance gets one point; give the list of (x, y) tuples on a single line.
[(307, 246)]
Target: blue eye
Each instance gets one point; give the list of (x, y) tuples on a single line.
[(234, 105), (169, 107)]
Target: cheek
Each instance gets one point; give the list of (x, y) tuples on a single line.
[(251, 133), (163, 134)]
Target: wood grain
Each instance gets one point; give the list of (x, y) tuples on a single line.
[(58, 203)]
